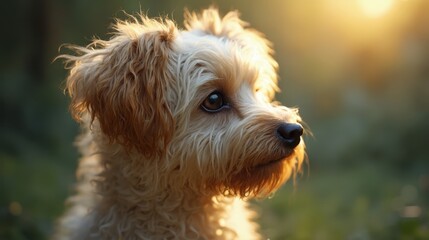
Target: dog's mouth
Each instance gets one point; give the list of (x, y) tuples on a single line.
[(273, 162), (266, 164)]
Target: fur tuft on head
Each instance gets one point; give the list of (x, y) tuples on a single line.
[(233, 28)]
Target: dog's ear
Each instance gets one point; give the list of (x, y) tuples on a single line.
[(122, 84), (254, 43)]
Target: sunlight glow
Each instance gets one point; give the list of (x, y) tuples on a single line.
[(375, 8)]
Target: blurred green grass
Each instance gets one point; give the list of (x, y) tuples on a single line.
[(32, 196), (363, 202)]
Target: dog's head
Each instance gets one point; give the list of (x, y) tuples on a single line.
[(198, 101)]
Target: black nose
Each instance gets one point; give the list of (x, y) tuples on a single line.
[(290, 134)]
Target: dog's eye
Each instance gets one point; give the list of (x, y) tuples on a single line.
[(214, 102)]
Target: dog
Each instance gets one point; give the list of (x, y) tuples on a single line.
[(180, 129)]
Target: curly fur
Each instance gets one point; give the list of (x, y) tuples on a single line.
[(155, 165)]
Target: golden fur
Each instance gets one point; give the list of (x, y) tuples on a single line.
[(155, 165)]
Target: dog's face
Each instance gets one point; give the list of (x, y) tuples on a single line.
[(198, 101)]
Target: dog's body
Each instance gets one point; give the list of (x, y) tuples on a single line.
[(179, 129)]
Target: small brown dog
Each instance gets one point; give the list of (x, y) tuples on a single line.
[(179, 130)]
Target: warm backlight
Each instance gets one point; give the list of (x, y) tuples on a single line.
[(375, 8)]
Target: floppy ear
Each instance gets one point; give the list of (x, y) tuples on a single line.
[(254, 43), (123, 83)]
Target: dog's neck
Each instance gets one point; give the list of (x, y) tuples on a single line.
[(145, 203)]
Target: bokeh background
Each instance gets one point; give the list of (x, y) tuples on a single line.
[(357, 69)]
